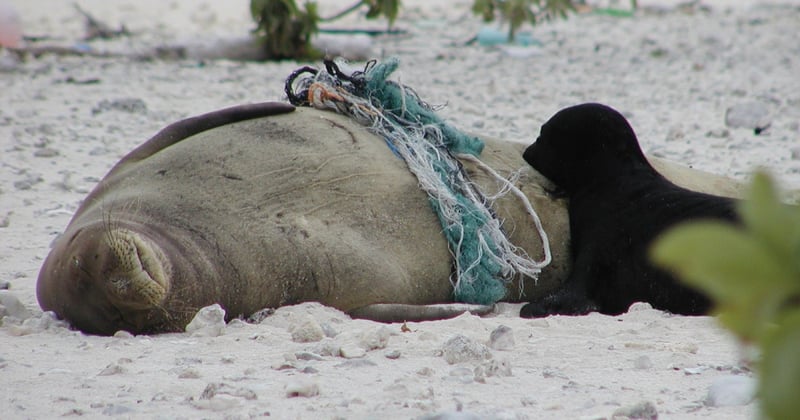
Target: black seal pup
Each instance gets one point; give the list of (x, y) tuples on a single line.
[(618, 204)]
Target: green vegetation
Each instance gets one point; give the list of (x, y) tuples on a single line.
[(517, 12), (283, 28), (752, 273), (286, 30)]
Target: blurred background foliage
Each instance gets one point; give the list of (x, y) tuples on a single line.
[(285, 30), (752, 274)]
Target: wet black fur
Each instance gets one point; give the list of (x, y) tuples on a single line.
[(618, 204)]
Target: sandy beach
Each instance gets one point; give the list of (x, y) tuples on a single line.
[(674, 70)]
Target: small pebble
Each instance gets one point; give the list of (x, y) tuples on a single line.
[(208, 322), (644, 410), (356, 363), (376, 338), (463, 375), (189, 373), (640, 306), (350, 351), (307, 355), (731, 391), (112, 369), (495, 367), (754, 115), (301, 388), (130, 105), (502, 338), (259, 316), (718, 133), (215, 389), (36, 324), (307, 332), (46, 152), (461, 349), (28, 182), (425, 371), (642, 362), (452, 415), (10, 305), (115, 410)]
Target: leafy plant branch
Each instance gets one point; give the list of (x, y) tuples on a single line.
[(752, 274)]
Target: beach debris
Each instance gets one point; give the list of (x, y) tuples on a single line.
[(10, 26), (488, 36), (96, 29)]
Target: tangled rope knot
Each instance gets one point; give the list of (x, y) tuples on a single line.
[(485, 260)]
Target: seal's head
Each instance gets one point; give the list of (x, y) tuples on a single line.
[(104, 278), (584, 144)]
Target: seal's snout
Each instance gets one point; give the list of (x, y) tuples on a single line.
[(136, 276), (103, 279)]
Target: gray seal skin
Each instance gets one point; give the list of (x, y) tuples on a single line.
[(261, 205), (253, 207)]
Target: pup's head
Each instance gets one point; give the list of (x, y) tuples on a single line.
[(584, 144)]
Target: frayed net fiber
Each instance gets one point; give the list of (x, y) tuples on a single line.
[(485, 260)]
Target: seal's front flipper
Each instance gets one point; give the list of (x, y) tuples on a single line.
[(397, 312)]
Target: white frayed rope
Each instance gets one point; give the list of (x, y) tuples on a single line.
[(414, 133)]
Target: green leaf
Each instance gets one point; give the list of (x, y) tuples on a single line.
[(740, 274), (484, 8), (283, 29), (517, 12), (753, 276), (773, 222), (779, 386)]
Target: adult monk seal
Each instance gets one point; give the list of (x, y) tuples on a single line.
[(618, 203), (259, 206)]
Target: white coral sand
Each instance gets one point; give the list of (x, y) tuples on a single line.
[(673, 70)]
